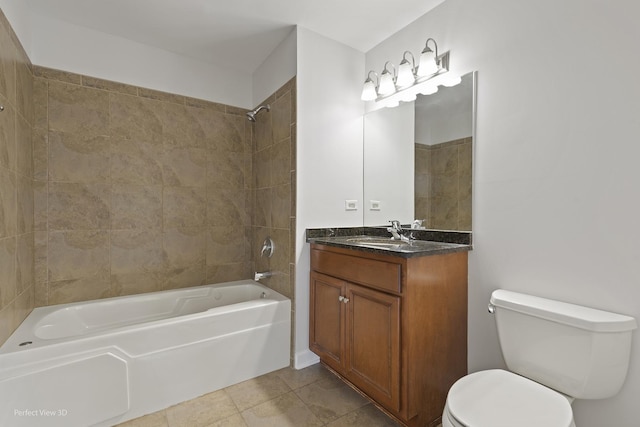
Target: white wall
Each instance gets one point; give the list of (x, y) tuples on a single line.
[(329, 153), (556, 159), (69, 47), (279, 67), (17, 13)]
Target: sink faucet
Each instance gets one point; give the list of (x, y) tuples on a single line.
[(396, 231)]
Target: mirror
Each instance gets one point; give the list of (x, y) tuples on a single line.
[(418, 160)]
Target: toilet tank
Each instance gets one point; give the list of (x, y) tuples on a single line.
[(579, 351)]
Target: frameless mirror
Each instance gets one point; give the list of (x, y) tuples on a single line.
[(418, 160)]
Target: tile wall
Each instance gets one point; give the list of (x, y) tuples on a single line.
[(140, 191), (274, 177), (108, 189), (443, 184), (16, 183), (274, 191), (136, 190)]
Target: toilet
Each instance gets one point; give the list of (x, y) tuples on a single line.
[(555, 352)]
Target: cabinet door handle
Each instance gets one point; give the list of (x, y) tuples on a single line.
[(345, 300), (341, 298)]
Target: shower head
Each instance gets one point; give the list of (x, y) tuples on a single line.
[(251, 115)]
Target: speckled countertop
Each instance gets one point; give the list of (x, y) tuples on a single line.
[(378, 240)]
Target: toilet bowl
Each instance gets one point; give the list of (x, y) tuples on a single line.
[(498, 398), (555, 352)]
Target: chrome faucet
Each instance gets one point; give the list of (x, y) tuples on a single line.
[(396, 231), (262, 275)]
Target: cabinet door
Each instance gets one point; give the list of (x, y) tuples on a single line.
[(373, 334), (326, 322)]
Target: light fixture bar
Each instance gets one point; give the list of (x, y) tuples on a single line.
[(399, 94), (404, 83)]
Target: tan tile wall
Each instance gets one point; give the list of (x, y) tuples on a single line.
[(443, 184), (108, 189), (16, 183), (136, 190), (274, 195), (274, 183)]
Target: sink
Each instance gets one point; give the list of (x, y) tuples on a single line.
[(395, 245), (377, 242), (405, 248)]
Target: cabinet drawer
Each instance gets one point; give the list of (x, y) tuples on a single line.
[(374, 273)]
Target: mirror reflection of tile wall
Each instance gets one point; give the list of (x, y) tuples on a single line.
[(443, 184)]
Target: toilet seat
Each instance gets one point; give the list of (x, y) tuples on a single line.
[(498, 398)]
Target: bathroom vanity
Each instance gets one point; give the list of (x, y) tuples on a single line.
[(391, 320)]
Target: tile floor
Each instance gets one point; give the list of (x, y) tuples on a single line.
[(288, 397)]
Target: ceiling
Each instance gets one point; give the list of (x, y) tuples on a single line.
[(238, 34)]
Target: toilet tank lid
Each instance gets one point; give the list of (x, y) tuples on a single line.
[(574, 315)]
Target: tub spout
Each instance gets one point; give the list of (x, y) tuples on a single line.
[(262, 275)]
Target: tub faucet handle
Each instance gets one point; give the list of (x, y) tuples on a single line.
[(268, 246)]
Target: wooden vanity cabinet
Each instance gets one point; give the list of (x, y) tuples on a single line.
[(352, 322), (393, 327)]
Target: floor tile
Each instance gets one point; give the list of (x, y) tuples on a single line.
[(330, 399), (157, 419), (318, 398), (257, 390), (367, 416), (296, 378), (203, 411), (284, 411), (232, 421)]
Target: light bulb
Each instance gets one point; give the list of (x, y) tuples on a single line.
[(387, 86), (428, 65), (369, 91), (405, 74)]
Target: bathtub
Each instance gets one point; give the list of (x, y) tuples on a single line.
[(102, 362)]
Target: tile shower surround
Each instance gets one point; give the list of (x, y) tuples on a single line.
[(108, 189), (140, 191), (443, 184), (16, 183)]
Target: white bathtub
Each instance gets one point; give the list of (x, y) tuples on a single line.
[(107, 361)]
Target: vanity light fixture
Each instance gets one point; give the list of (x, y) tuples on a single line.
[(410, 79), (387, 80), (370, 89), (406, 71), (428, 60)]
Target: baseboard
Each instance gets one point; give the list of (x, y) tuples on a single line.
[(305, 358)]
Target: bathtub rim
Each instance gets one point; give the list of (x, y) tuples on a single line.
[(26, 330)]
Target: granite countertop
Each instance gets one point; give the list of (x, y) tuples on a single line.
[(378, 240)]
